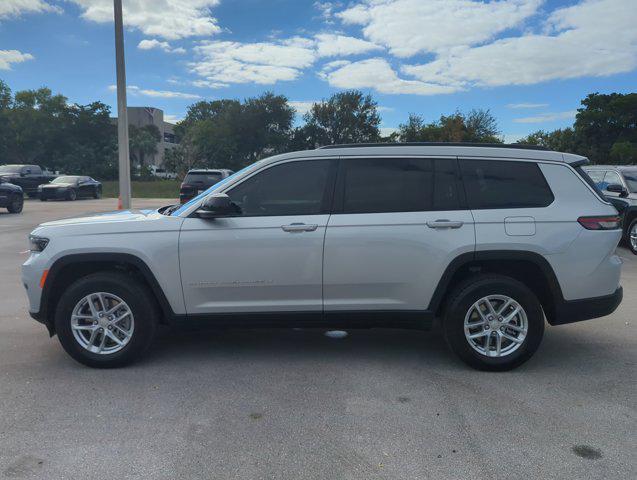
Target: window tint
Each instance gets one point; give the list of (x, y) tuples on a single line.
[(206, 178), (504, 184), (597, 176), (293, 188), (377, 185)]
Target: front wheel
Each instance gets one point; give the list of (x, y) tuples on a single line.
[(106, 319), (493, 322), (631, 236), (72, 195), (97, 194), (16, 205)]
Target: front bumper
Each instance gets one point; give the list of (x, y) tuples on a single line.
[(587, 308), (52, 193)]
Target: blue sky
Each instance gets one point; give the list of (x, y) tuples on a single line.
[(529, 61)]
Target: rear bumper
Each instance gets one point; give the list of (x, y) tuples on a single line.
[(587, 308)]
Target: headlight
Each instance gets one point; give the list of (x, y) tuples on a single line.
[(37, 244)]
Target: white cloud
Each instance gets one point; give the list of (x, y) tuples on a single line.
[(301, 106), (387, 131), (169, 19), (330, 45), (408, 27), (547, 117), (15, 8), (527, 105), (378, 74), (157, 44), (135, 90), (593, 38), (7, 57), (264, 63), (172, 118)]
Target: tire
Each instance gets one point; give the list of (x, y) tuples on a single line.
[(461, 309), (16, 204), (72, 195), (98, 194), (632, 244), (136, 296), (42, 199)]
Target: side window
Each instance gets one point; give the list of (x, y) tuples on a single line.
[(597, 176), (504, 184), (610, 178), (381, 185), (293, 188)]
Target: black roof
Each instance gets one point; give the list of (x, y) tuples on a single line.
[(520, 146)]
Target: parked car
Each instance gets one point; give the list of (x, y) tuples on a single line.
[(619, 185), (28, 177), (70, 187), (488, 240), (11, 196), (198, 180)]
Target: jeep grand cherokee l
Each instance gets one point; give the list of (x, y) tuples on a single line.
[(489, 240)]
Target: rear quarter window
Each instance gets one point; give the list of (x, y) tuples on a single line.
[(491, 184)]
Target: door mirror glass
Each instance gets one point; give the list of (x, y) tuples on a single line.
[(217, 205), (617, 188)]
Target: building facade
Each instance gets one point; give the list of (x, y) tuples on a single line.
[(142, 116)]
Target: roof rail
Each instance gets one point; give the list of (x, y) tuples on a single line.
[(436, 144)]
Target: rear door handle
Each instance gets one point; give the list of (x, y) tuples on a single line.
[(444, 224), (299, 227)]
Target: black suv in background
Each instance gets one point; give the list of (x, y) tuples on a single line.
[(618, 183), (196, 181)]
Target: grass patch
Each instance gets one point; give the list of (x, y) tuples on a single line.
[(153, 189)]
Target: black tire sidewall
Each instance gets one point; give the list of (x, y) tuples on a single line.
[(72, 195), (138, 298), (470, 292), (11, 208), (628, 244)]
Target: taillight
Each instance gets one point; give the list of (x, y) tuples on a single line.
[(610, 222)]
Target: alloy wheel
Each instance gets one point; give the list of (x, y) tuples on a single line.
[(496, 326), (102, 323)]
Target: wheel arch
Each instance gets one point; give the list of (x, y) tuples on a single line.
[(527, 267), (71, 267)]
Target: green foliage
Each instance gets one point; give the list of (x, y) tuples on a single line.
[(345, 117), (41, 128), (142, 142), (144, 189), (561, 140), (478, 126), (604, 121)]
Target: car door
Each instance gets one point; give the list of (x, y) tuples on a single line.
[(268, 258), (396, 225)]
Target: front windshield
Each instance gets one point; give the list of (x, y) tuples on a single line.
[(65, 180), (203, 194), (9, 169), (631, 179)]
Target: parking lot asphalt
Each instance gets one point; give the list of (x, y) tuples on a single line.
[(296, 404)]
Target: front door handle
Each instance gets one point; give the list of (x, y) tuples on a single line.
[(299, 227), (445, 224)]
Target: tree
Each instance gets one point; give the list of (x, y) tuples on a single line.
[(478, 126), (603, 121), (346, 117), (143, 142), (232, 134), (561, 140)]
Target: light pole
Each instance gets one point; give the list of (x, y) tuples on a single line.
[(122, 114)]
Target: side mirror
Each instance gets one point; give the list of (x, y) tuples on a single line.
[(617, 188), (217, 205)]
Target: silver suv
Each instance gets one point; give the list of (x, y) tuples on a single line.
[(490, 241)]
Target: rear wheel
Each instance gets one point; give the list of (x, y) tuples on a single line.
[(493, 322), (16, 204), (106, 319)]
